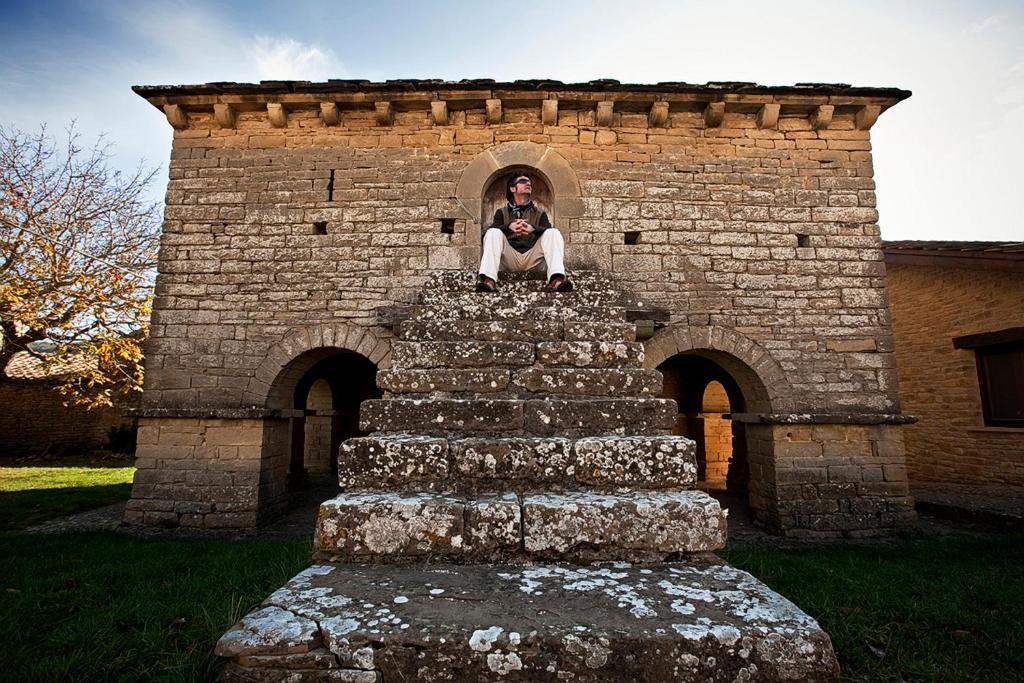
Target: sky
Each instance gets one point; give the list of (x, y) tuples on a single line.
[(947, 161)]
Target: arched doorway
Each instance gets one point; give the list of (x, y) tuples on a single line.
[(707, 395), (321, 391), (496, 193)]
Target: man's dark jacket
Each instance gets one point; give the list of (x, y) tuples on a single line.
[(529, 212)]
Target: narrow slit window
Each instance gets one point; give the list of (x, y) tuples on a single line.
[(448, 226), (330, 187), (803, 240), (320, 228), (632, 238)]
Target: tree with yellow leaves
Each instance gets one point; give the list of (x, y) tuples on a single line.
[(78, 245)]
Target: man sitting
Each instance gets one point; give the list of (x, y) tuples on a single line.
[(521, 238)]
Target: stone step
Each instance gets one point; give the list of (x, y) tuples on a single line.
[(591, 354), (610, 382), (465, 280), (516, 330), (482, 312), (462, 354), (581, 525), (531, 298), (542, 417), (543, 623), (398, 462)]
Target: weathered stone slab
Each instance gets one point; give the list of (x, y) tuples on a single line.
[(392, 461), (641, 461), (270, 631), (548, 623), (465, 280), (476, 380), (611, 332), (535, 298), (489, 463), (647, 524), (589, 381), (483, 312), (403, 526), (589, 354), (598, 416), (496, 330), (462, 354), (436, 415)]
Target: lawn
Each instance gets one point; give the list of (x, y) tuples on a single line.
[(30, 494), (113, 606)]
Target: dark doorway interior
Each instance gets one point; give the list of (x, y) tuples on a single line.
[(707, 396), (326, 403)]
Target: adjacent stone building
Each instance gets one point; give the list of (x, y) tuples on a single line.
[(302, 216), (958, 318)]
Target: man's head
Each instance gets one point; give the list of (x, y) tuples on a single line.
[(520, 187)]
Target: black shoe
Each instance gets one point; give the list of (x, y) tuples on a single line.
[(560, 283), (486, 284)]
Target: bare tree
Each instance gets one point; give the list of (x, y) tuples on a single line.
[(77, 257)]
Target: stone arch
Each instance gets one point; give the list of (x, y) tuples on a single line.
[(306, 346), (487, 165), (762, 379)]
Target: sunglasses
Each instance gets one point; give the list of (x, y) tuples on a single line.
[(522, 181)]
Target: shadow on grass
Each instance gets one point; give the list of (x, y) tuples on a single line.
[(107, 606), (944, 609), (22, 509)]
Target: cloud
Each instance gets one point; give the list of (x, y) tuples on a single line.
[(290, 59)]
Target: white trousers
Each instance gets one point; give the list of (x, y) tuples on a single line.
[(548, 250)]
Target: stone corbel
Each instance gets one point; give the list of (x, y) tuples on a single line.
[(330, 114), (658, 118), (493, 111), (277, 114), (549, 112), (821, 117), (439, 113), (176, 116), (384, 112), (224, 115), (713, 114), (768, 116), (866, 116), (605, 111)]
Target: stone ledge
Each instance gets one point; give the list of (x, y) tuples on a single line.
[(208, 413), (824, 418), (447, 622)]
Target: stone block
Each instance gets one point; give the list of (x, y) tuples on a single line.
[(461, 354), (436, 415), (477, 380), (589, 381), (599, 416), (518, 462), (392, 462), (646, 462), (591, 354), (618, 526), (499, 330)]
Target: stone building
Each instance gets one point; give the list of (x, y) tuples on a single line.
[(300, 216), (958, 319)]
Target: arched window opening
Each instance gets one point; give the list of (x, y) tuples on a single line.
[(496, 194)]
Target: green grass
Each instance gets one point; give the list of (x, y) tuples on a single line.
[(938, 609), (30, 494), (106, 606)]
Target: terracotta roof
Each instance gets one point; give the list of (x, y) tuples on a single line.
[(24, 367), (955, 254), (957, 246)]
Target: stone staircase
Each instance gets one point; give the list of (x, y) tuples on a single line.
[(521, 511)]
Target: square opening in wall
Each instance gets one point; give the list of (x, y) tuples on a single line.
[(320, 228), (632, 238), (448, 226), (803, 240)]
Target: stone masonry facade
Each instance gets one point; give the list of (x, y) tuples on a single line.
[(933, 304), (297, 213)]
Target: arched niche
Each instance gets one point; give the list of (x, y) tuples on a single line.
[(496, 194), (498, 162)]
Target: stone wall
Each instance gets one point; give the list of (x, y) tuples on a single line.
[(771, 231), (848, 480), (34, 421), (717, 436), (208, 472), (939, 384)]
